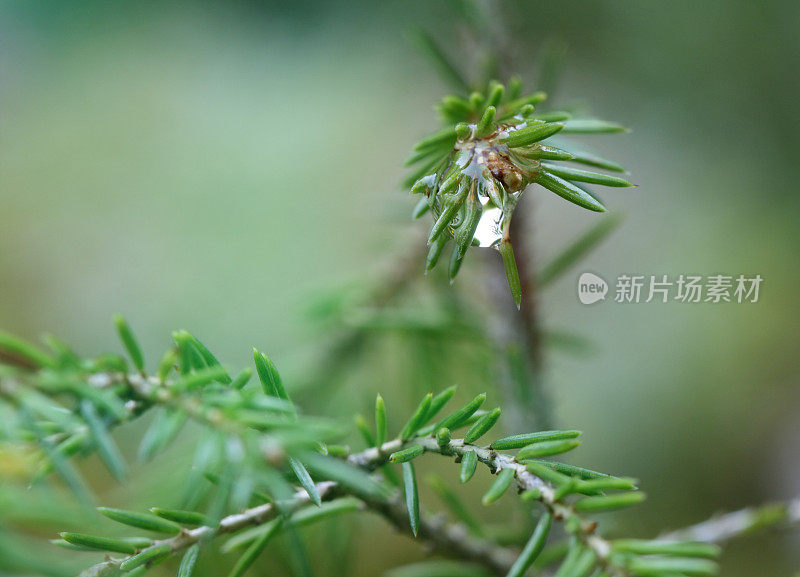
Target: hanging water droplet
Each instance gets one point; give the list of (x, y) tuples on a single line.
[(489, 231)]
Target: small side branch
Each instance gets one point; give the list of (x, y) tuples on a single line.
[(722, 528)]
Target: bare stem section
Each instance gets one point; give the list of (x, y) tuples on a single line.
[(727, 526)]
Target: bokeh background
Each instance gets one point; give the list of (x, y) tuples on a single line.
[(222, 167)]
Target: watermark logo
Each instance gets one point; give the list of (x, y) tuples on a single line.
[(639, 288), (591, 288)]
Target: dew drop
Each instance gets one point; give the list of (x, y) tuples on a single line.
[(489, 232)]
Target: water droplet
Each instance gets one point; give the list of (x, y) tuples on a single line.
[(489, 231)]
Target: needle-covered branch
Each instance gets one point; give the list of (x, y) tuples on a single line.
[(494, 146), (277, 466)]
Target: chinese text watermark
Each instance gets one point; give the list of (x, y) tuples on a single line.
[(716, 288)]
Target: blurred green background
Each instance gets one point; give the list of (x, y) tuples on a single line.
[(219, 166)]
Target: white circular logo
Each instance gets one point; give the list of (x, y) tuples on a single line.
[(591, 288)]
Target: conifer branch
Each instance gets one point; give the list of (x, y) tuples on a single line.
[(252, 517), (440, 536), (263, 431), (526, 481)]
